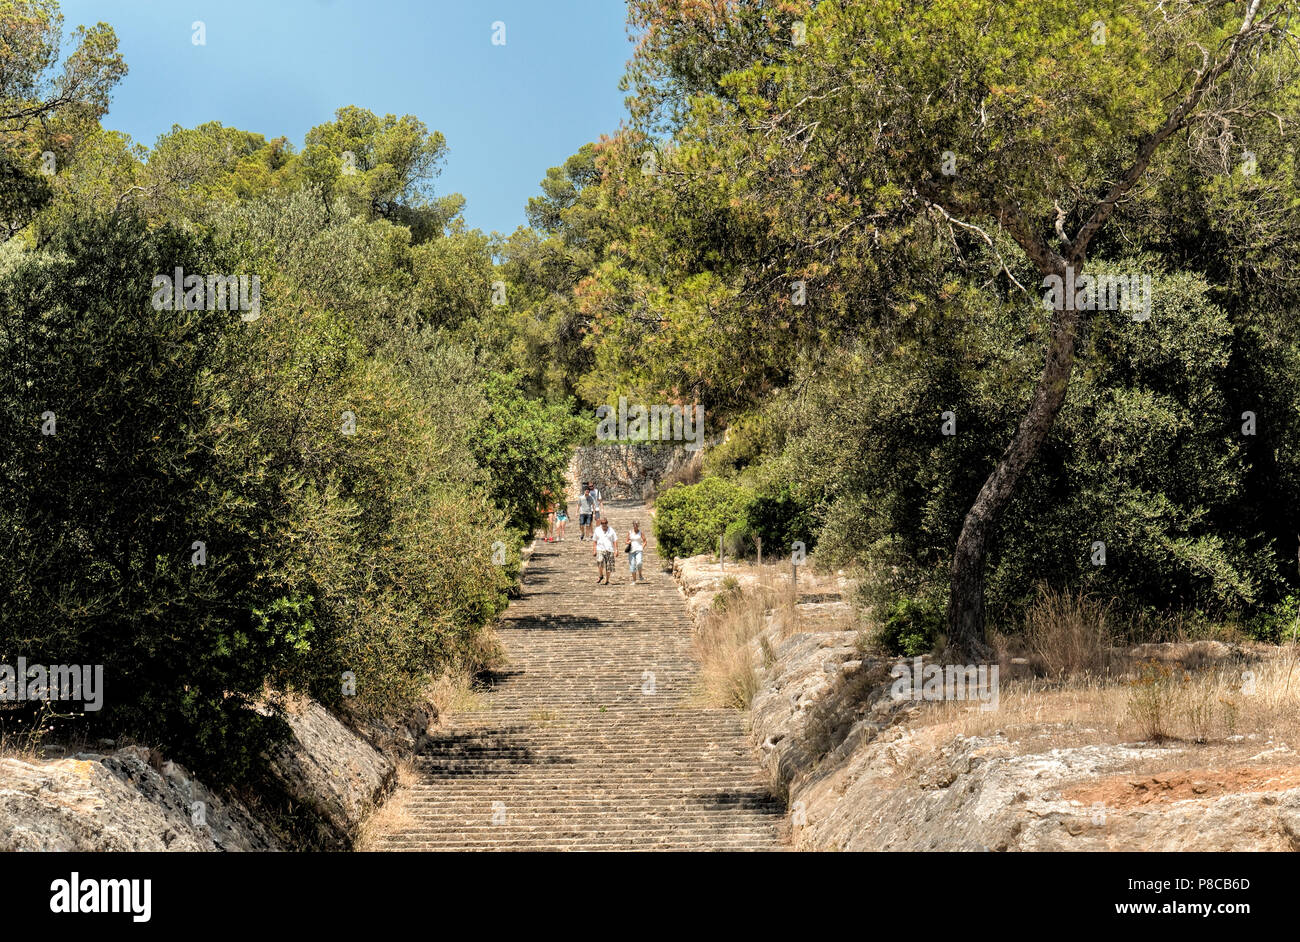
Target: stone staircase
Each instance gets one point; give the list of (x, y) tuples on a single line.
[(592, 738)]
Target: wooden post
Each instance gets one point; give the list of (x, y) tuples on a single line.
[(721, 561), (794, 592), (759, 540)]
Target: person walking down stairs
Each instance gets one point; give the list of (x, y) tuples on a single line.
[(548, 509), (636, 545), (595, 738), (604, 540), (584, 513), (561, 519)]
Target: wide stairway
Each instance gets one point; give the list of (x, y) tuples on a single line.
[(592, 738)]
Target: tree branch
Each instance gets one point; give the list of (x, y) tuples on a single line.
[(1176, 121)]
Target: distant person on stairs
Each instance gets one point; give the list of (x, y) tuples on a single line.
[(604, 540), (597, 499), (584, 513), (548, 507), (636, 544), (561, 519)]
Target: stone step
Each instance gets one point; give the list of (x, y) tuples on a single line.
[(588, 845)]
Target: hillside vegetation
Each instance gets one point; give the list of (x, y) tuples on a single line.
[(318, 483), (838, 227)]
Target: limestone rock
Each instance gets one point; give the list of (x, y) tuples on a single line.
[(330, 769), (118, 802)]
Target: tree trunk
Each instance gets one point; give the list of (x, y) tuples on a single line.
[(966, 641)]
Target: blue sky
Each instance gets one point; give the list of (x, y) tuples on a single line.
[(279, 67)]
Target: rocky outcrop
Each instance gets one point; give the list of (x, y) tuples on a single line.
[(908, 790), (400, 736), (315, 791), (331, 773), (863, 770), (126, 800), (815, 690)]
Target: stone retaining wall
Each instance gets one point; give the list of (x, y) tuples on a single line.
[(626, 471)]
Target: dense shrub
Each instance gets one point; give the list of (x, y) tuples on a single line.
[(780, 520), (690, 518), (741, 516), (525, 446), (326, 463), (1148, 456), (102, 519), (326, 496), (1280, 624), (393, 528), (749, 438), (911, 626)]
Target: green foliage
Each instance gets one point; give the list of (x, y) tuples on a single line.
[(911, 626), (48, 102), (192, 173), (1280, 624), (771, 173), (326, 552), (738, 539), (105, 513), (525, 445), (690, 518), (780, 520), (23, 192), (1148, 456), (541, 332), (381, 167), (454, 276), (33, 89), (367, 547), (749, 439), (373, 552)]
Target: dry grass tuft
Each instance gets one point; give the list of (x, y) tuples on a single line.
[(393, 816), (486, 653), (724, 645), (1155, 703), (453, 692), (752, 613), (19, 746), (1068, 635), (1261, 698)]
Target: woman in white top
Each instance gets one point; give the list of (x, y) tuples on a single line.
[(636, 541)]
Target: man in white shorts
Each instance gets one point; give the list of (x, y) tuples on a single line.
[(604, 542)]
